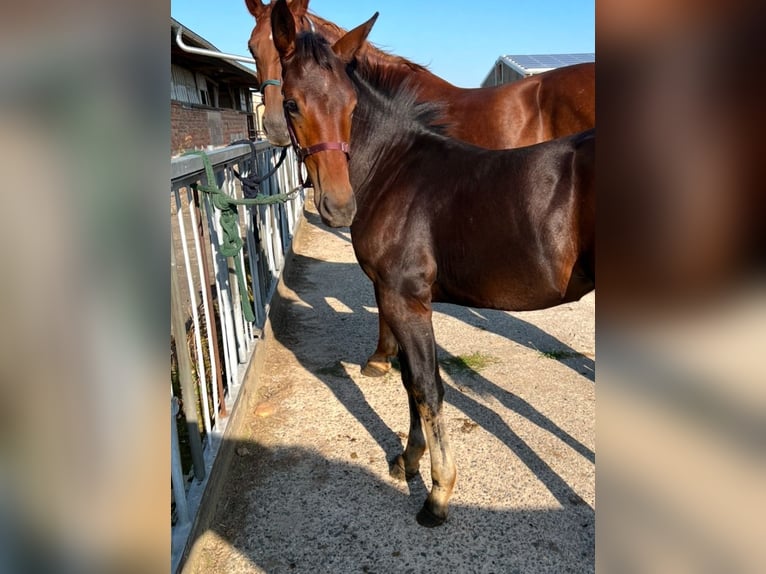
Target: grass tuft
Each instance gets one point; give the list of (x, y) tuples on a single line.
[(464, 363)]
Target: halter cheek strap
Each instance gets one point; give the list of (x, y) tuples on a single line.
[(304, 152)]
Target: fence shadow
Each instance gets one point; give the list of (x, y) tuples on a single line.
[(288, 509)]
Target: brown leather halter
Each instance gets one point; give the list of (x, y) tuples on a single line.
[(304, 152)]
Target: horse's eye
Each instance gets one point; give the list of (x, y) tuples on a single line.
[(291, 107)]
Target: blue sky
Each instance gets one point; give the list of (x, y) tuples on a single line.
[(459, 41)]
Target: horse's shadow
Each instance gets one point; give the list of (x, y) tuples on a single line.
[(478, 412), (524, 333)]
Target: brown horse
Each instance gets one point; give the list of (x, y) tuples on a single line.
[(535, 109), (433, 218)]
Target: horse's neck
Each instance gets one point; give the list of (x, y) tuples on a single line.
[(429, 86), (382, 137), (369, 152)]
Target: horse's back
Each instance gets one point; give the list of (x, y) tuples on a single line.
[(566, 99), (537, 108), (509, 226)]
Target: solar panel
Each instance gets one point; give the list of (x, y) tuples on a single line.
[(547, 61)]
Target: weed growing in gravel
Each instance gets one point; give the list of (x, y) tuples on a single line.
[(463, 363)]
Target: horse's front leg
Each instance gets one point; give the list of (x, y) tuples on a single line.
[(407, 465), (410, 321), (379, 363)]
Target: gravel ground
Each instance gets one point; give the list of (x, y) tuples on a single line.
[(308, 489)]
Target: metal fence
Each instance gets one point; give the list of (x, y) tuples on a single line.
[(212, 341)]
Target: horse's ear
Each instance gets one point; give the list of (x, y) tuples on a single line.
[(347, 47), (256, 7), (283, 28), (299, 8)]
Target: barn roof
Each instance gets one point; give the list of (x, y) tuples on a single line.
[(536, 63), (216, 68)]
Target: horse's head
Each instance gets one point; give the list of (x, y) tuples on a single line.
[(268, 68), (319, 101)]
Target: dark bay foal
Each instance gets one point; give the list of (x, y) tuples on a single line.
[(433, 218)]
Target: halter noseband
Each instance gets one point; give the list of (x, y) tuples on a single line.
[(265, 83), (304, 152)]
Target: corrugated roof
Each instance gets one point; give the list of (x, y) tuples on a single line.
[(540, 62)]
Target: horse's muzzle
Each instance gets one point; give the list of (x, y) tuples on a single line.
[(335, 215), (276, 131)]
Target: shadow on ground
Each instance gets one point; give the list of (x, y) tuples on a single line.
[(344, 519)]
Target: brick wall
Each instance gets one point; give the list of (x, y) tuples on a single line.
[(193, 127)]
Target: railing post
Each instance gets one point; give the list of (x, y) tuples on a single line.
[(212, 329), (176, 471), (184, 370)]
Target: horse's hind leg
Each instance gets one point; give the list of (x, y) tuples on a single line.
[(411, 323), (379, 363)]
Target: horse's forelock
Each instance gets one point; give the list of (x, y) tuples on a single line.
[(313, 46)]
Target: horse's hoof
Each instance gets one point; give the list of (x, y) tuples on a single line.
[(376, 368), (428, 519), (397, 470)]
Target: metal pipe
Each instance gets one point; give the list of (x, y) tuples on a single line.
[(176, 472), (201, 375), (204, 52), (184, 370), (212, 329)]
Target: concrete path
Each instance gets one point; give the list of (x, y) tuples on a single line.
[(308, 488)]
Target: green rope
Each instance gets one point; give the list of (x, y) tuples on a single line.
[(231, 242)]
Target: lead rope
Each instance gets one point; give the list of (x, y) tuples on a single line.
[(251, 185), (231, 242)]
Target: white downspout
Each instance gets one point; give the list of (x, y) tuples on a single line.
[(204, 52)]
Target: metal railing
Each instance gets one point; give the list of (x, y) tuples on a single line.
[(213, 342)]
